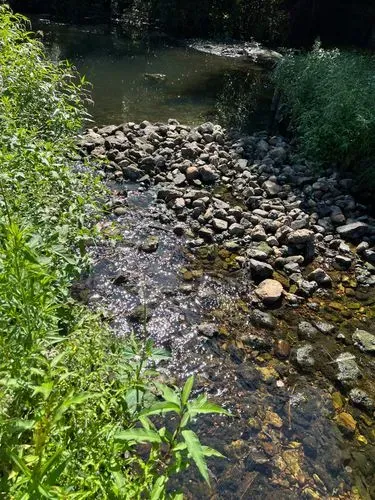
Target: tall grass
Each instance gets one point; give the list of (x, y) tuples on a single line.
[(75, 403), (330, 100)]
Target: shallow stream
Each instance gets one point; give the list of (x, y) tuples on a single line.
[(282, 440)]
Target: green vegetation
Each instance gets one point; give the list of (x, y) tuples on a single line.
[(75, 403), (330, 100)]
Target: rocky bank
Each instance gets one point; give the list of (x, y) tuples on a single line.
[(301, 249)]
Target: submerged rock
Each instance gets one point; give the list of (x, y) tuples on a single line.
[(346, 423), (150, 245), (364, 340), (360, 398), (304, 357), (263, 319), (348, 371)]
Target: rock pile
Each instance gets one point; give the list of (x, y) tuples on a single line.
[(244, 194)]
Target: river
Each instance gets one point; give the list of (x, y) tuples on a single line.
[(283, 440), (125, 85)]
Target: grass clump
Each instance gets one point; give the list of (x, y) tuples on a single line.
[(75, 403), (330, 101)]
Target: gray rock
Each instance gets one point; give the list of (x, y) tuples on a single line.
[(260, 270), (207, 234), (179, 179), (208, 330), (132, 172), (120, 211), (258, 233), (150, 244), (348, 371), (219, 225), (364, 340), (353, 231), (321, 277), (271, 188), (300, 237), (362, 247), (361, 399), (262, 319), (307, 331), (206, 128), (236, 229), (325, 327), (304, 357), (306, 288), (343, 262), (207, 174), (269, 291)]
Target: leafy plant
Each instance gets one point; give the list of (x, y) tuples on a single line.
[(74, 399), (330, 100)]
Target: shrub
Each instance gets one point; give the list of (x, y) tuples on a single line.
[(75, 402), (330, 100)]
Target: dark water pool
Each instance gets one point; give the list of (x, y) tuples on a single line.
[(116, 68)]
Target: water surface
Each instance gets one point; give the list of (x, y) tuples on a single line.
[(116, 68)]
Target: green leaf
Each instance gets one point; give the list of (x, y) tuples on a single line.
[(160, 408), (158, 491), (202, 406), (169, 394), (20, 464), (211, 452), (186, 391), (139, 436), (196, 452)]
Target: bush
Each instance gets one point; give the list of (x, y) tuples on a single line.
[(330, 100), (75, 402)]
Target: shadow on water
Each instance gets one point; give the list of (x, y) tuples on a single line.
[(116, 68)]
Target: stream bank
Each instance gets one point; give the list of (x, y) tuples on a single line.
[(258, 276)]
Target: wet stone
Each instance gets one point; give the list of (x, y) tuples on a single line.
[(321, 277), (262, 319), (207, 329), (348, 371), (360, 398), (306, 331), (304, 357), (150, 245), (364, 340)]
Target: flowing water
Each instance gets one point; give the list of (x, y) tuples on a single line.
[(282, 440)]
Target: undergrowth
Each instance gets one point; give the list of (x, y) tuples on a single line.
[(76, 403), (329, 96)]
